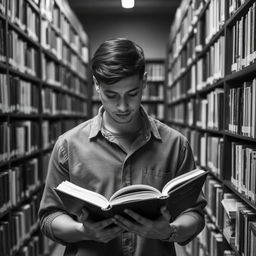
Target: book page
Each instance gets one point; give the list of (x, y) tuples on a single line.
[(84, 194), (134, 191), (135, 197), (181, 179)]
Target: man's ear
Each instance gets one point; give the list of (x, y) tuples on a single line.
[(96, 84), (144, 80)]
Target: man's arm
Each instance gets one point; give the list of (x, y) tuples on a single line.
[(185, 227), (67, 229), (55, 222), (181, 230)]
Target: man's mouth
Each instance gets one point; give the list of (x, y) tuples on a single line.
[(123, 114)]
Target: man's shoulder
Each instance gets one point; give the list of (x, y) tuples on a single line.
[(166, 131), (83, 129)]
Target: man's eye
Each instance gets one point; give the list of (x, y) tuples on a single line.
[(111, 96), (133, 94)]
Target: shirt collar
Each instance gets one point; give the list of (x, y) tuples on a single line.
[(150, 124)]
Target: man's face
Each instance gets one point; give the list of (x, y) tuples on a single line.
[(121, 100)]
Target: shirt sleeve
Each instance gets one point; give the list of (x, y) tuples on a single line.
[(186, 163), (51, 206)]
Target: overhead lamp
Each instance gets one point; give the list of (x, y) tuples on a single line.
[(127, 4)]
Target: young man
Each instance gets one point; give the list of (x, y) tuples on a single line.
[(120, 146)]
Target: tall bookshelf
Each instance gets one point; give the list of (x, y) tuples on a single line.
[(211, 99), (153, 98), (43, 93)]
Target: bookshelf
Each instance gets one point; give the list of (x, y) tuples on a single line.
[(153, 98), (43, 92), (210, 98)]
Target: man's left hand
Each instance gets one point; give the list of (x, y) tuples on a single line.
[(154, 229)]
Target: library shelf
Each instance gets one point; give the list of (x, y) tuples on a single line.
[(208, 212), (56, 30), (240, 137), (24, 158), (212, 63), (180, 124), (239, 12), (75, 116), (240, 195), (26, 68), (155, 81), (50, 54), (26, 76), (216, 84), (151, 101), (207, 130), (3, 66), (24, 35), (2, 16), (216, 177), (58, 87), (34, 6), (48, 149), (63, 116), (243, 74), (211, 42), (24, 116), (178, 101), (232, 245), (4, 164), (19, 159)]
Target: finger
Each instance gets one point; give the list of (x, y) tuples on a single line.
[(84, 215), (165, 213), (127, 225), (120, 223), (138, 218), (111, 234), (102, 224)]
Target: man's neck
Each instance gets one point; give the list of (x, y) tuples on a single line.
[(126, 128)]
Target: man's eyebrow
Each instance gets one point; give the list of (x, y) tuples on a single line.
[(109, 91), (134, 89)]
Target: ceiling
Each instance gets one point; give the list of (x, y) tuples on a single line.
[(150, 7)]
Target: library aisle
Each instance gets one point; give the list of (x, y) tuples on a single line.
[(201, 66)]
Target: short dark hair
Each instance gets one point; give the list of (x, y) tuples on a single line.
[(116, 59)]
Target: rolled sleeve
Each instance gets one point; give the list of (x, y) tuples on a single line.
[(187, 163), (51, 206), (46, 226)]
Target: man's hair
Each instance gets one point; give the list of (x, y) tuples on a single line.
[(116, 59)]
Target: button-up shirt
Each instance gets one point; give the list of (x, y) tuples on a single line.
[(91, 157)]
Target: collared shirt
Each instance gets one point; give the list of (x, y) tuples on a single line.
[(91, 157)]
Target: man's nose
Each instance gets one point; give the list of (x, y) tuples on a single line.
[(122, 104)]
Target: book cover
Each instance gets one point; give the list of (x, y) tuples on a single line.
[(178, 194)]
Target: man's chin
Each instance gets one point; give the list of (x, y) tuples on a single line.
[(123, 120)]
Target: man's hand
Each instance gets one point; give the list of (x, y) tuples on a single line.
[(154, 229), (98, 231)]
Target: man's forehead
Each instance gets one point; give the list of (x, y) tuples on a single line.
[(108, 88)]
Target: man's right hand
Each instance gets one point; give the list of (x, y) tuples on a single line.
[(98, 231)]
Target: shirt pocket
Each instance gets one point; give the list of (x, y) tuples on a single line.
[(155, 178)]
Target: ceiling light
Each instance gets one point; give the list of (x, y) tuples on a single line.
[(127, 3)]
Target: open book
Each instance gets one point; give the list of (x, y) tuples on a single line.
[(178, 194)]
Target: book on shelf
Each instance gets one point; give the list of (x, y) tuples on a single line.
[(252, 238), (245, 215), (242, 105), (243, 169), (2, 42), (243, 43), (178, 194), (231, 205)]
